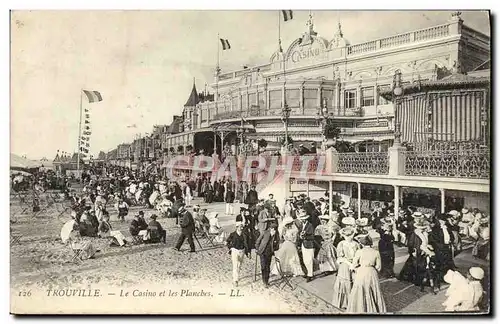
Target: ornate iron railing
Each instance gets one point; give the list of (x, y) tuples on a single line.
[(363, 163), (449, 163), (433, 145)]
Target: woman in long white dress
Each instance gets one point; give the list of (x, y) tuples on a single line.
[(215, 228), (287, 253), (366, 296), (327, 255), (343, 283)]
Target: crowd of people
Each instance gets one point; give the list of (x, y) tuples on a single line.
[(302, 239)]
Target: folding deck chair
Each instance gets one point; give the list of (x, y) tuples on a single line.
[(283, 277)]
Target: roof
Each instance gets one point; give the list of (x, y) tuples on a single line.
[(57, 158), (174, 128), (193, 99), (453, 81), (17, 161)]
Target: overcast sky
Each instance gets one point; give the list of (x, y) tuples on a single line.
[(144, 62)]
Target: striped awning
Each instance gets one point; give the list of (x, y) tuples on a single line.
[(445, 116)]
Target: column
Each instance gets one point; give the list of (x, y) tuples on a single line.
[(443, 200), (336, 104), (359, 200), (283, 96), (319, 97), (215, 142), (330, 197), (396, 201), (358, 95), (301, 103)]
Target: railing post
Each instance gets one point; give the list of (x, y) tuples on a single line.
[(331, 160), (397, 160), (443, 200)]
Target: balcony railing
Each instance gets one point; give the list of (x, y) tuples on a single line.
[(363, 163), (449, 163), (256, 112)]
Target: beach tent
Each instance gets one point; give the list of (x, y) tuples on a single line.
[(18, 162)]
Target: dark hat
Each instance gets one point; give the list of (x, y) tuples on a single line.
[(153, 216), (443, 216), (364, 239), (273, 225), (141, 213)]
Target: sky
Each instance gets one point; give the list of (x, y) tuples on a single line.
[(143, 63)]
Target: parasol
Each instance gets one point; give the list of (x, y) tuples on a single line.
[(66, 230)]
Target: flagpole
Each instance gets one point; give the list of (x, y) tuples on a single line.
[(285, 108), (79, 134), (217, 91)]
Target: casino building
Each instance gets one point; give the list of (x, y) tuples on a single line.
[(325, 75)]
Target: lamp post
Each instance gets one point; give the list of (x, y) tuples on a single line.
[(397, 91), (285, 115), (323, 119)]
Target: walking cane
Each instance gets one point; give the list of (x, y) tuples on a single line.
[(255, 271)]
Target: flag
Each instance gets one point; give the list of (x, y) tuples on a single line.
[(225, 44), (280, 48), (87, 133), (287, 15), (87, 115), (86, 110), (87, 144), (87, 121), (85, 138), (87, 127), (93, 96), (82, 149)]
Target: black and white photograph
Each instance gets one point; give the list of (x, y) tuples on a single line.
[(231, 162)]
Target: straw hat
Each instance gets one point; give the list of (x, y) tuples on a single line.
[(417, 215), (287, 220), (465, 210), (350, 211), (324, 217), (476, 273), (453, 213), (347, 232), (362, 222), (349, 221)]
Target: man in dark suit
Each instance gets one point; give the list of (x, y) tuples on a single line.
[(266, 244), (306, 235), (175, 210), (187, 229), (252, 197)]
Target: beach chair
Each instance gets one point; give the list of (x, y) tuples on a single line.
[(283, 281), (15, 238)]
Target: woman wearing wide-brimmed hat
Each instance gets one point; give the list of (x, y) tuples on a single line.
[(345, 255), (418, 249), (287, 253), (366, 296), (327, 255), (386, 247)]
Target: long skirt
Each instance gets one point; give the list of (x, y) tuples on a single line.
[(327, 257), (366, 296), (342, 286), (289, 260)]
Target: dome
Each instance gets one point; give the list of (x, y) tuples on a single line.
[(338, 39)]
